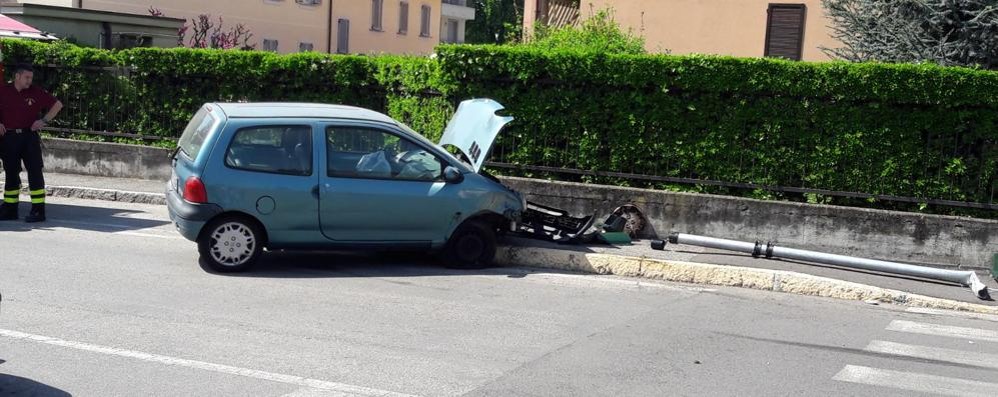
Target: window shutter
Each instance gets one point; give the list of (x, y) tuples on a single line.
[(343, 36), (424, 26), (376, 12), (403, 17), (785, 31)]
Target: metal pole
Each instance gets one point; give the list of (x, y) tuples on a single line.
[(770, 250)]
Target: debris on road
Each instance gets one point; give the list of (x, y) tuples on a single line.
[(770, 250)]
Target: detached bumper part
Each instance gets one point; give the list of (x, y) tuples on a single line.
[(552, 224)]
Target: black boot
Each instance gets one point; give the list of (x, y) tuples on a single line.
[(37, 213), (8, 211)]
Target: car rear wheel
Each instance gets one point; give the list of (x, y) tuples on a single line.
[(472, 246), (230, 244)]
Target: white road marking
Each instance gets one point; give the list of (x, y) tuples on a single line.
[(916, 382), (107, 225), (342, 388), (137, 234), (127, 230), (943, 330), (953, 313), (934, 353), (314, 393)]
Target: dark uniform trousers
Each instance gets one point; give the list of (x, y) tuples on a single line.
[(16, 146)]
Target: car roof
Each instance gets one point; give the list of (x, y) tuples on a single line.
[(301, 110)]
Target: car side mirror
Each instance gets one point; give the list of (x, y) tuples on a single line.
[(453, 175)]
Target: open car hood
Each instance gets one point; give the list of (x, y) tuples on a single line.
[(474, 128)]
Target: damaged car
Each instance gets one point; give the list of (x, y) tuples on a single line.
[(249, 177)]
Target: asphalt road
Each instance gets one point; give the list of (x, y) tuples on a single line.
[(106, 299)]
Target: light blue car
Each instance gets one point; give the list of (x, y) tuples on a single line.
[(284, 176)]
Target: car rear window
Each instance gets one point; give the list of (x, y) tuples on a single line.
[(273, 149), (194, 135)]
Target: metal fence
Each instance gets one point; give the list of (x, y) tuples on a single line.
[(96, 102), (551, 163)]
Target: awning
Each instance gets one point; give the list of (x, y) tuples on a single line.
[(12, 28)]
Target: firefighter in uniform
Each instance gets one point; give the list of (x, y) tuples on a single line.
[(20, 105)]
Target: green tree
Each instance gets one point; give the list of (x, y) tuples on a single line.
[(600, 33), (945, 32), (496, 22)]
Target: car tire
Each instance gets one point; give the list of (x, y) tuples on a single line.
[(230, 244), (471, 246)]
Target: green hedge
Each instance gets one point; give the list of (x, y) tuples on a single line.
[(903, 130), (153, 91)]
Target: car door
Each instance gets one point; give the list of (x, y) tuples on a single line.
[(268, 171), (380, 186)]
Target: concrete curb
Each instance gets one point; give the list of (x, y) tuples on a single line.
[(731, 276), (106, 194)]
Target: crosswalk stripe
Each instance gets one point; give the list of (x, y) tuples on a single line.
[(953, 313), (943, 330), (934, 353), (916, 382)]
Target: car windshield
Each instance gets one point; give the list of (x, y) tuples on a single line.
[(421, 138)]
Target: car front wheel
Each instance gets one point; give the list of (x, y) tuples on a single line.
[(472, 246), (230, 244)]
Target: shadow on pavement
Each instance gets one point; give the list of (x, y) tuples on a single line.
[(11, 385), (856, 351), (80, 217), (340, 264)]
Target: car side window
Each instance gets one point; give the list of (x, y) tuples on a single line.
[(285, 149), (358, 152)]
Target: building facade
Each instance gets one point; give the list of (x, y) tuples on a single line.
[(100, 29), (744, 28), (335, 26)]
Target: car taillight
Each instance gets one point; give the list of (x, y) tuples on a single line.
[(194, 191)]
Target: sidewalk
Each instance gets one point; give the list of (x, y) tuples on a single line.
[(105, 188), (676, 263)]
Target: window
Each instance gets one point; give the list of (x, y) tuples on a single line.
[(451, 34), (270, 45), (309, 2), (403, 17), (343, 36), (272, 149), (357, 152), (125, 40), (785, 31), (376, 12), (303, 47), (424, 25), (197, 130)]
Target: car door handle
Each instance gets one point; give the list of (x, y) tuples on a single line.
[(315, 191)]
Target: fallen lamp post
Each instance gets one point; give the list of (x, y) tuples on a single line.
[(771, 250)]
